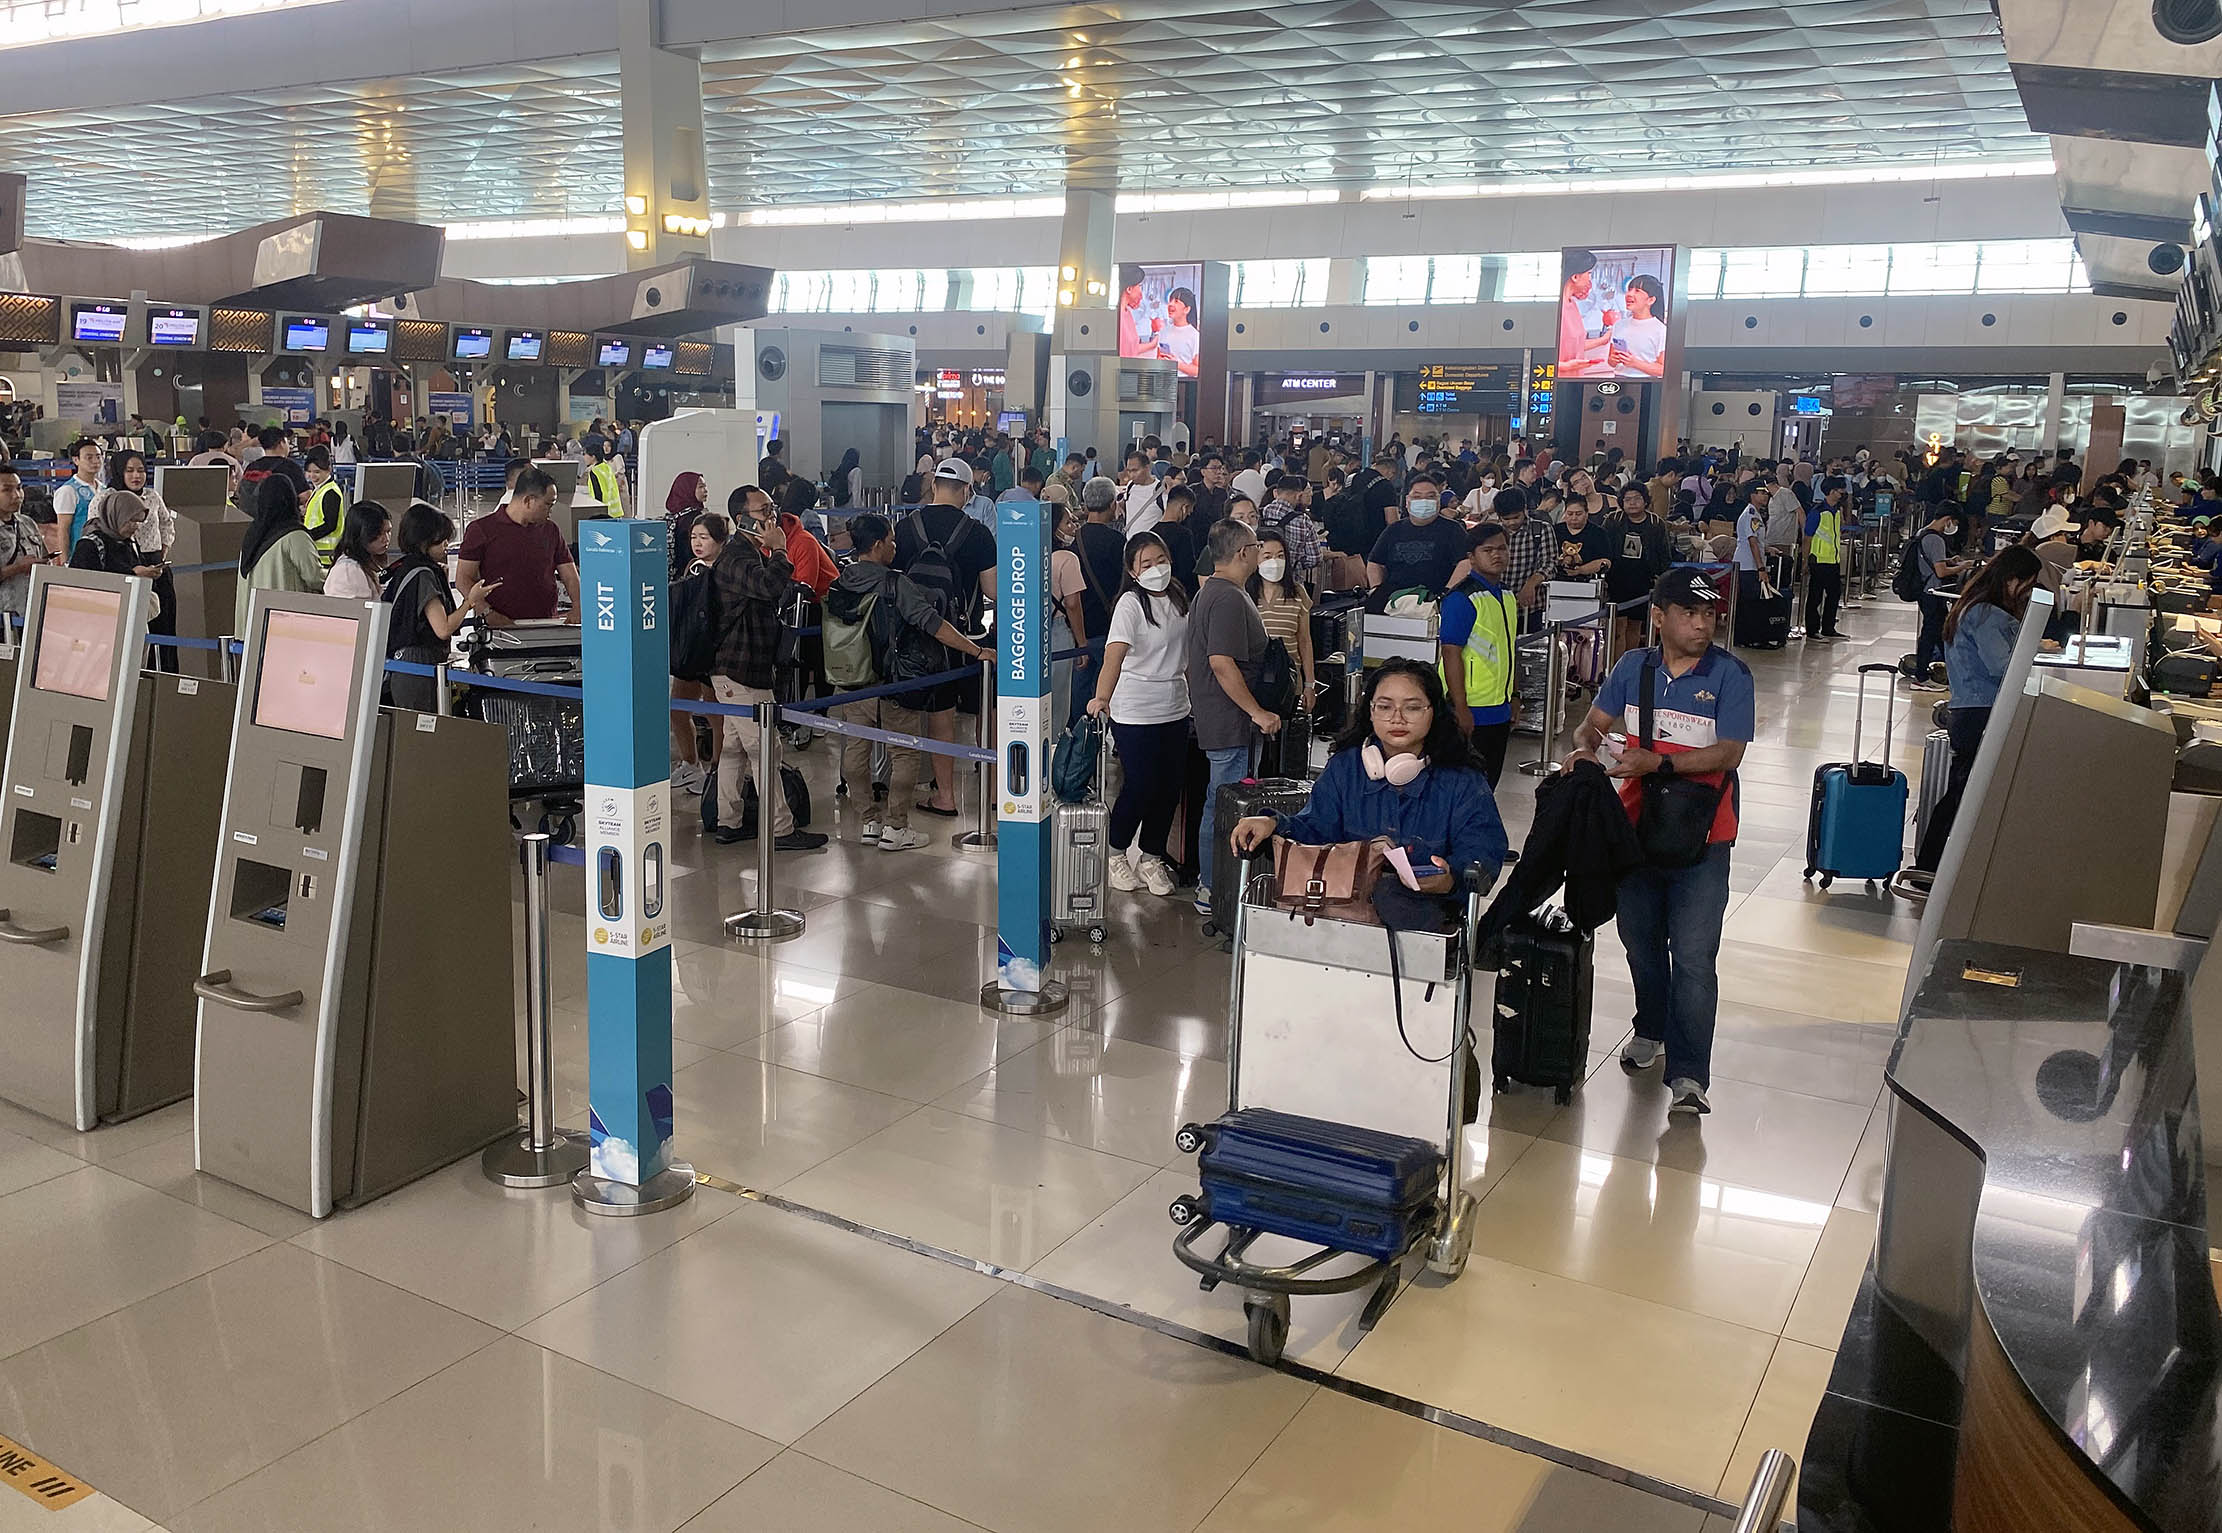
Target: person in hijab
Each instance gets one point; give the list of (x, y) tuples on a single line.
[(110, 543), (848, 479), (689, 494), (277, 554)]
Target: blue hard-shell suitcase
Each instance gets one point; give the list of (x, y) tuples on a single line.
[(1329, 1184), (1858, 824)]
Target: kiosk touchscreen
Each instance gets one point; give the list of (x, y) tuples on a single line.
[(392, 485), (356, 1016), (106, 860)]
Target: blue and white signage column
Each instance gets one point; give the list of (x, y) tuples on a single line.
[(622, 586), (1022, 693)]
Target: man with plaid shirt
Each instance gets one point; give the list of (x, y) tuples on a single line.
[(1534, 550), (1285, 514)]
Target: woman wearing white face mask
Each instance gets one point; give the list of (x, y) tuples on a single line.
[(1286, 610), (1143, 687)]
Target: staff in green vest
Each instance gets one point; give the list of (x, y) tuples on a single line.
[(602, 476), (324, 513), (1478, 623), (1824, 581)]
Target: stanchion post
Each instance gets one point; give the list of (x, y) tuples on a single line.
[(765, 921), (1554, 703), (981, 838), (227, 659), (543, 1155), (443, 702)]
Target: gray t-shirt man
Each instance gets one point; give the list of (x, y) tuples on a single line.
[(1222, 621)]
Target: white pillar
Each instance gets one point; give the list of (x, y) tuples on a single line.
[(660, 111), (2055, 391)]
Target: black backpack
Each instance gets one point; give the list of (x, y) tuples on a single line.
[(694, 626), (933, 570), (1276, 685)]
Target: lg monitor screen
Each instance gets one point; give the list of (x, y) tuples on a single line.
[(614, 354), (473, 344), (307, 334), (173, 327), (308, 672), (656, 356), (97, 322), (77, 641), (524, 346), (1613, 312), (368, 340)]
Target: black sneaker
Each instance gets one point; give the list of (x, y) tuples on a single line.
[(726, 837), (799, 841)]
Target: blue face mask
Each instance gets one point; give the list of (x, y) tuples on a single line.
[(1423, 510)]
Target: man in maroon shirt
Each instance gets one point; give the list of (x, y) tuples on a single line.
[(517, 549)]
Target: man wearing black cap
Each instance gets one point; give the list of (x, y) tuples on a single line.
[(1702, 716)]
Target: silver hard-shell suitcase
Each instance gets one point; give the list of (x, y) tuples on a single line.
[(1080, 858)]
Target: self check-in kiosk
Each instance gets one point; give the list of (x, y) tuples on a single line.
[(392, 485), (209, 533), (356, 1017), (107, 836)]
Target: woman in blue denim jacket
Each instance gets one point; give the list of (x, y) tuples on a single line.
[(1400, 771)]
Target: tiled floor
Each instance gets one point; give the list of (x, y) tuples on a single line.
[(1658, 1295)]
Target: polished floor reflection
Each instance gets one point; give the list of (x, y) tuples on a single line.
[(1658, 1295)]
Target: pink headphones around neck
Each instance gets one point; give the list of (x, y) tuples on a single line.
[(1397, 771)]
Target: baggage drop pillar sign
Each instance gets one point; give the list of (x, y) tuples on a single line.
[(1021, 702), (626, 652)]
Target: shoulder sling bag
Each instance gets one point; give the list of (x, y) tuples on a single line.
[(1675, 825)]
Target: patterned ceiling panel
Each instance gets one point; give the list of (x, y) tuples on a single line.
[(1161, 95)]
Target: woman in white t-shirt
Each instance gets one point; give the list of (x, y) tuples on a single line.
[(359, 568), (1637, 340), (1144, 689), (1180, 342)]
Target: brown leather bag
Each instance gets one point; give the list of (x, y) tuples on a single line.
[(1333, 881)]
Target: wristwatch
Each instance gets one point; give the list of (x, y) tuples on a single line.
[(1665, 768)]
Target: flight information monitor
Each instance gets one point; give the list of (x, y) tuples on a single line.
[(100, 323), (524, 346), (472, 344), (614, 354), (77, 641), (368, 340), (173, 327), (303, 334), (656, 356), (1468, 388), (308, 671)]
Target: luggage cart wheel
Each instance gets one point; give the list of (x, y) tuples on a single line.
[(1056, 935), (1268, 1317), (1099, 934), (1190, 1139), (1185, 1210)]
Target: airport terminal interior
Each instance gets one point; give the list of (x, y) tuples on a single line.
[(570, 950)]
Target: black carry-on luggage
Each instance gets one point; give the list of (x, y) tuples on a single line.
[(1543, 1005)]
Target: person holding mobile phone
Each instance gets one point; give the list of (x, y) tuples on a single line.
[(426, 614)]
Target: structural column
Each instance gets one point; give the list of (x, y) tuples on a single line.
[(667, 189), (1087, 328), (2056, 388)]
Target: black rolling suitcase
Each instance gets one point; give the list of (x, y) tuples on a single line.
[(1253, 795), (1543, 1003)]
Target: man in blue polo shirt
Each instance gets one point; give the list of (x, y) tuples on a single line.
[(1703, 715)]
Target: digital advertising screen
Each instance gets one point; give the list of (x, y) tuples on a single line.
[(77, 641), (173, 327), (473, 343), (100, 323), (524, 346), (1612, 317), (304, 334), (368, 340), (308, 671), (1159, 312), (656, 356), (614, 354)]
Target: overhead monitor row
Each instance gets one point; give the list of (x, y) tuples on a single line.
[(185, 328)]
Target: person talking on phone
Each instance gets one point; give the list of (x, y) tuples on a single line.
[(1402, 770)]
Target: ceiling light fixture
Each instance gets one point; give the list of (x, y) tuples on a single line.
[(637, 206), (1976, 170)]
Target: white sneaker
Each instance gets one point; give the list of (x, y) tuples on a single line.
[(1158, 878), (901, 838), (1689, 1097), (872, 832), (688, 777), (1123, 877), (1641, 1054)]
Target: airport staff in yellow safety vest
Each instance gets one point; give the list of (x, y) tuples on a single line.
[(1824, 552), (1478, 622), (606, 482), (324, 513)]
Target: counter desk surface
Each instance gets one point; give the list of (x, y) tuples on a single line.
[(2071, 1079)]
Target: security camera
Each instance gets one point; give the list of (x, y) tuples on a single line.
[(2188, 21), (2164, 260)]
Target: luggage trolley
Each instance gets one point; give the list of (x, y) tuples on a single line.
[(547, 735), (1312, 1035)]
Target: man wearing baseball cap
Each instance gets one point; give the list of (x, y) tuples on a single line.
[(1703, 714)]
